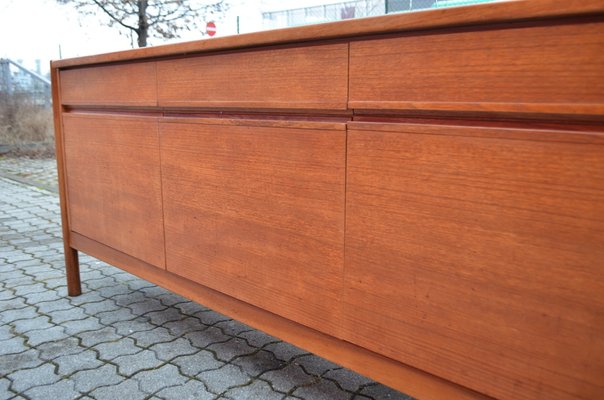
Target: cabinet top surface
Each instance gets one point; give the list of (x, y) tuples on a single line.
[(488, 13)]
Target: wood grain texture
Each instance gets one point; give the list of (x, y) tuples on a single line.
[(258, 213), (72, 265), (480, 14), (312, 77), (478, 258), (113, 183), (395, 374), (115, 85), (551, 69)]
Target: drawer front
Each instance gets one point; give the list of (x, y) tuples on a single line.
[(312, 77), (477, 255), (113, 183), (548, 69), (258, 213), (113, 85)]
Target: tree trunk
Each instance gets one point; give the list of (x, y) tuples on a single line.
[(143, 24)]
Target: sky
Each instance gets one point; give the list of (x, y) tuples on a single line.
[(45, 30)]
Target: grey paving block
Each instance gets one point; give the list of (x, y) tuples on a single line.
[(222, 379), (146, 306), (38, 376), (25, 325), (211, 335), (170, 350), (85, 298), (153, 336), (322, 390), (347, 379), (131, 364), (12, 346), (211, 317), (259, 363), (111, 317), (258, 338), (105, 305), (157, 379), (12, 315), (37, 337), (257, 390), (163, 316), (72, 314), (28, 289), (50, 306), (285, 351), (288, 378), (92, 338), (82, 325), (125, 390), (63, 390), (77, 362), (128, 298), (115, 290), (190, 307), (184, 326), (193, 364), (106, 375), (47, 295), (54, 349), (315, 365), (192, 390), (382, 392), (5, 394), (5, 332), (111, 350), (13, 362), (227, 351)]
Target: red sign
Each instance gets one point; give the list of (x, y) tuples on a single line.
[(211, 28)]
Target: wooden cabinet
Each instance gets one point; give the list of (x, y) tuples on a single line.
[(113, 184), (418, 197), (256, 211), (470, 244)]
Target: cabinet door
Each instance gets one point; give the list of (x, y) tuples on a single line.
[(477, 254), (113, 183), (256, 210)]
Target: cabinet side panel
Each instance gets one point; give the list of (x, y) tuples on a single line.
[(258, 213), (113, 183), (479, 259)]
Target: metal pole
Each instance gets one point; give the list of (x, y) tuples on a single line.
[(238, 24)]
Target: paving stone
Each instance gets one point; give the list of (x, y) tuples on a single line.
[(14, 362), (170, 350), (129, 298), (12, 346), (85, 298), (220, 380), (315, 365), (131, 364), (105, 305), (77, 362), (61, 316), (257, 390), (382, 392), (157, 379), (190, 307), (56, 305), (63, 390), (111, 317), (110, 291), (146, 306), (193, 364), (12, 315), (323, 390), (82, 325), (5, 332), (125, 390), (47, 295), (25, 325), (4, 392), (52, 350), (27, 378), (211, 335), (37, 337), (86, 381), (258, 338), (192, 390), (92, 338), (111, 350), (28, 289), (151, 337), (138, 324), (226, 351), (285, 351), (163, 316), (259, 363), (347, 379), (181, 327), (289, 378), (211, 317)]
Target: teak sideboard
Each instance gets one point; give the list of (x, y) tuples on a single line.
[(418, 197)]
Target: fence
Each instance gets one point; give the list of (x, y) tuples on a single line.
[(16, 80)]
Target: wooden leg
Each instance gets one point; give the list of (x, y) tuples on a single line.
[(72, 267)]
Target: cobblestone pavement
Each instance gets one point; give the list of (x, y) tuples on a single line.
[(39, 172), (125, 338)]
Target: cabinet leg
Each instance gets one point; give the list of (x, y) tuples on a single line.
[(72, 268)]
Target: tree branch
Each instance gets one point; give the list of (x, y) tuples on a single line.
[(113, 17)]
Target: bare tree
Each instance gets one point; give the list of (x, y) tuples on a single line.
[(152, 18)]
